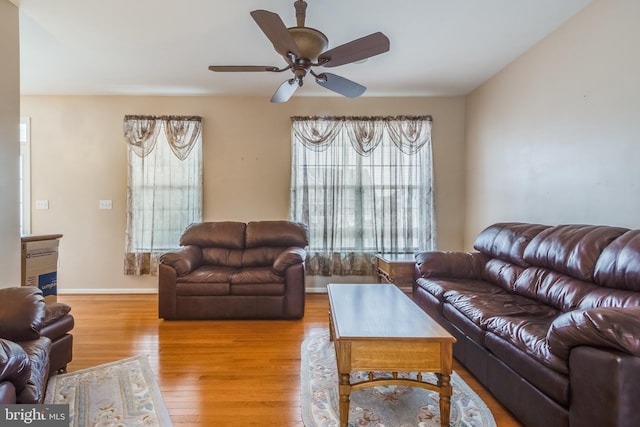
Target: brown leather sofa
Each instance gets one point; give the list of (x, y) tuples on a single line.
[(233, 270), (546, 317), (34, 343)]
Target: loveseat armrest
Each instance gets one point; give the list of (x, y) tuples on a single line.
[(14, 365), (616, 328), (22, 314), (291, 256), (183, 260), (456, 265)]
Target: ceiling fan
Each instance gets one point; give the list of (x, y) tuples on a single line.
[(303, 48)]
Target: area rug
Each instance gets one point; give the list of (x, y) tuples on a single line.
[(382, 406), (121, 393)]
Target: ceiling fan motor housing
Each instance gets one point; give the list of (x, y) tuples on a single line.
[(311, 42)]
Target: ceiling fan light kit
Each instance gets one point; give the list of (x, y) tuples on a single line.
[(303, 48)]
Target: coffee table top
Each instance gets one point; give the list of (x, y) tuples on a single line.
[(366, 311)]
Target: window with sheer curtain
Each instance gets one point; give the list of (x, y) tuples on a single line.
[(164, 186), (364, 186)]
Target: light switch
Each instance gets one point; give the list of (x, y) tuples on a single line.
[(42, 204), (105, 204)]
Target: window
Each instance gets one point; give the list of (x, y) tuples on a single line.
[(164, 193), (25, 176), (363, 186)]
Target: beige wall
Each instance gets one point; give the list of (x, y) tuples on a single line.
[(79, 157), (555, 137), (9, 145)]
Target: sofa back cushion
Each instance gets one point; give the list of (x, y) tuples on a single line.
[(276, 233), (555, 289), (224, 234), (507, 241), (619, 264), (571, 249)]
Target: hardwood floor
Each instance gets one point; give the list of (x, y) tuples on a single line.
[(212, 373)]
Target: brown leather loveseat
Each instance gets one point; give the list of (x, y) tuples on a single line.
[(34, 343), (546, 317), (235, 270)]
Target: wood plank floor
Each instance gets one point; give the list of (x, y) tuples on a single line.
[(212, 373)]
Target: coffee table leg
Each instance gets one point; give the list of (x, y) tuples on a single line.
[(344, 389), (445, 399)]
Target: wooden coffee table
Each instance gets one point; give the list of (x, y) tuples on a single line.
[(377, 328)]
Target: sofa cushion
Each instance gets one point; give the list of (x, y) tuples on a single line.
[(619, 264), (438, 287), (507, 241), (555, 289), (224, 234), (528, 332), (480, 308), (571, 249), (607, 297), (551, 382), (502, 273), (276, 233)]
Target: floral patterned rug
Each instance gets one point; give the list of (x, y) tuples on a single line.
[(121, 393), (388, 406)]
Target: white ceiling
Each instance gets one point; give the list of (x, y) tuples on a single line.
[(159, 47)]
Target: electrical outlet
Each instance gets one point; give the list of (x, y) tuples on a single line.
[(105, 204)]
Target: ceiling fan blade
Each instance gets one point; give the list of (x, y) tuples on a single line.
[(275, 30), (340, 85), (232, 68), (285, 91), (356, 50)]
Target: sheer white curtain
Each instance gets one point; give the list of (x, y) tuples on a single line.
[(164, 186), (364, 185)]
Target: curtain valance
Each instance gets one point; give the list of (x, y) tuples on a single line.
[(408, 133), (141, 133)]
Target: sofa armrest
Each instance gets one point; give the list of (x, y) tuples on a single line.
[(14, 365), (457, 265), (22, 313), (616, 328), (290, 256), (183, 260)]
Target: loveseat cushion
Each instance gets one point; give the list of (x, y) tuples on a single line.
[(14, 365), (276, 233), (22, 314), (202, 289), (209, 274), (255, 275), (38, 352), (223, 234)]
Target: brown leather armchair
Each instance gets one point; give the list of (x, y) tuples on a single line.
[(235, 270), (34, 343)]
